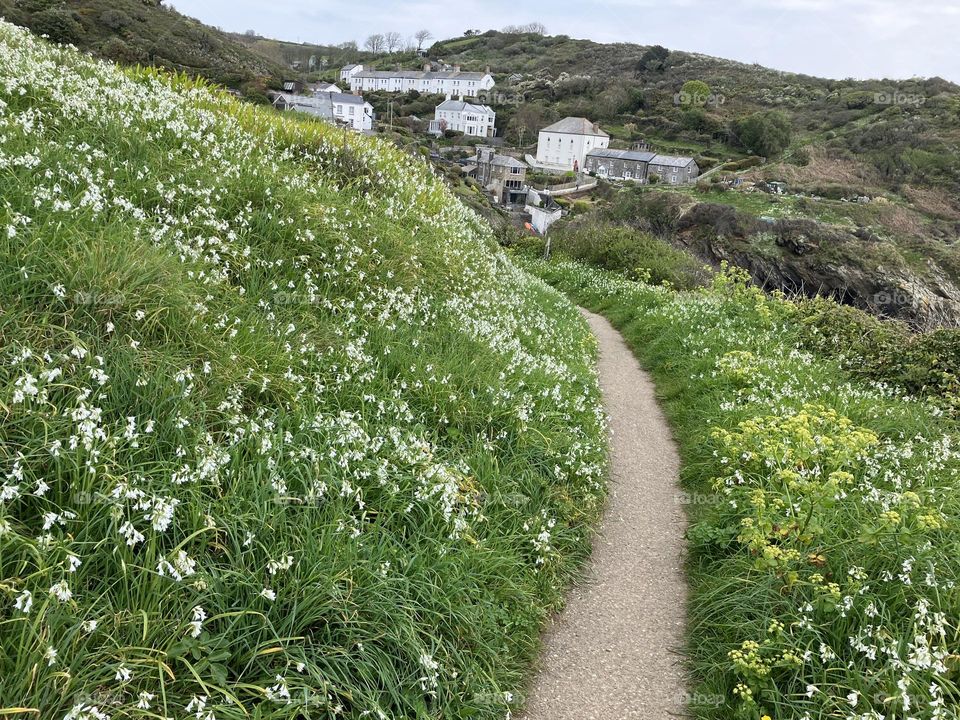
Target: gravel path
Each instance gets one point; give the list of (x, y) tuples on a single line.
[(614, 651)]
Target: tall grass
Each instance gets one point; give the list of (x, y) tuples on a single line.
[(282, 434)]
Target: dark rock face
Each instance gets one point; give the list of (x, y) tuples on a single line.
[(804, 257)]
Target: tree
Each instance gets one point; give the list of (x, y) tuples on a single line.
[(693, 92), (349, 45), (765, 133), (421, 36), (392, 42), (374, 43), (654, 59)]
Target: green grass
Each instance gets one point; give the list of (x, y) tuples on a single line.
[(283, 434), (824, 508)]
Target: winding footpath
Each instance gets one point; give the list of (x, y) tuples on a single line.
[(615, 650)]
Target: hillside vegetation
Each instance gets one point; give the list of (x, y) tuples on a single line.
[(146, 32), (822, 495), (283, 433)]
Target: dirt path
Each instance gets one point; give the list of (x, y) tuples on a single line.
[(614, 651)]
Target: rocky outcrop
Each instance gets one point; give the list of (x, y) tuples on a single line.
[(804, 257)]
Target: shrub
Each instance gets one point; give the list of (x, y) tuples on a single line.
[(926, 364), (763, 133), (636, 254), (115, 19), (59, 24)]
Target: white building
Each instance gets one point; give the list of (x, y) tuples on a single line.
[(565, 144), (465, 117), (453, 83), (348, 71), (323, 87), (342, 108)]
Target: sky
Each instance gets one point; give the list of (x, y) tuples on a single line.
[(828, 38)]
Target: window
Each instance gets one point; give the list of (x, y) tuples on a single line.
[(515, 170), (627, 174)]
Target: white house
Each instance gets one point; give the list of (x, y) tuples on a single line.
[(348, 71), (352, 109), (465, 117), (565, 144), (454, 82), (349, 110)]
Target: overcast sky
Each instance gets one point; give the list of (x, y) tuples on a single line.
[(829, 38)]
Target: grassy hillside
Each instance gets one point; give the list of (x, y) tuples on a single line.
[(146, 32), (283, 433), (823, 499)]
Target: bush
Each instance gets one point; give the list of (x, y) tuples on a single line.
[(924, 364), (636, 254), (764, 133), (115, 19), (59, 24)]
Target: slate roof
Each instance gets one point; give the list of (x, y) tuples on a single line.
[(636, 155), (419, 75), (461, 105), (575, 126), (507, 161), (348, 98), (671, 161), (348, 67), (317, 105)]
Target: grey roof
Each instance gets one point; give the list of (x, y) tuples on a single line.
[(323, 86), (348, 67), (317, 105), (671, 161), (461, 105), (348, 98), (419, 75), (575, 126), (637, 155), (507, 161)]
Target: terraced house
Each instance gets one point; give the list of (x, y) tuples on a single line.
[(640, 166), (452, 82)]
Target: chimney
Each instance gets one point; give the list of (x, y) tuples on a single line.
[(596, 127), (456, 68), (488, 69), (426, 67)]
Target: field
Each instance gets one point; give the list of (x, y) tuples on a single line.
[(824, 546), (283, 434)]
